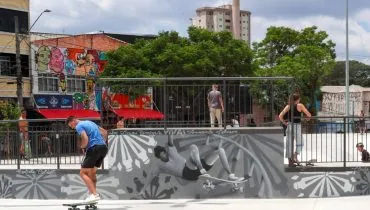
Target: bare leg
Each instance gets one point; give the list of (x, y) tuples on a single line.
[(194, 158), (92, 176), (84, 173)]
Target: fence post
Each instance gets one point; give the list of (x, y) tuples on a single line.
[(58, 149), (345, 141), (165, 99), (224, 102), (18, 146)]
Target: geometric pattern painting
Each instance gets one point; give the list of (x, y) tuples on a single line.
[(133, 172)]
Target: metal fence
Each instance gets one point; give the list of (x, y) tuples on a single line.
[(51, 144), (252, 101), (331, 141)]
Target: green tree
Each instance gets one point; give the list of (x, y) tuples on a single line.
[(204, 53), (307, 55), (8, 111), (358, 74)]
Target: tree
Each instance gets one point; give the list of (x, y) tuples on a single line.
[(8, 111), (358, 74), (307, 55), (169, 55)]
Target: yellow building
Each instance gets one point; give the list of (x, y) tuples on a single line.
[(8, 83)]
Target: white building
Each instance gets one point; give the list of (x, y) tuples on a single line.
[(334, 100), (221, 18)]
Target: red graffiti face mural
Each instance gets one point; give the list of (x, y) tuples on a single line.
[(56, 63), (71, 61)]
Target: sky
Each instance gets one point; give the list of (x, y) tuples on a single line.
[(153, 16)]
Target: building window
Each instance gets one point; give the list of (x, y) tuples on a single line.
[(227, 13), (220, 19), (48, 83), (210, 13), (220, 26), (7, 20), (243, 34), (227, 21), (243, 21), (5, 66), (76, 84), (228, 27), (199, 20)]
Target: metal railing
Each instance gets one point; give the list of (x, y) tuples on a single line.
[(331, 141), (50, 144), (253, 101)]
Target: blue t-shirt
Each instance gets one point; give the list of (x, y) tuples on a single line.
[(92, 131)]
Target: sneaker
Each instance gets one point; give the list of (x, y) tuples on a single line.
[(92, 198), (203, 171), (232, 177)]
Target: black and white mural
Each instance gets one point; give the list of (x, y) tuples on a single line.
[(158, 164)]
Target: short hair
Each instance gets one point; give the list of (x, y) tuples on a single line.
[(360, 145), (158, 150), (70, 119)]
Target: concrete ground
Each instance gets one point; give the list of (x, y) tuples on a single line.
[(340, 203)]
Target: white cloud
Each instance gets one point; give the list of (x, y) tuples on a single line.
[(152, 16)]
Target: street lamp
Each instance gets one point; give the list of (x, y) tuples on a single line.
[(347, 64), (46, 10), (18, 41)]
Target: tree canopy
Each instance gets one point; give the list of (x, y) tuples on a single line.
[(203, 53), (358, 74), (308, 55)]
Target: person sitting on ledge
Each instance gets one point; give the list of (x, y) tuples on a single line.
[(365, 154)]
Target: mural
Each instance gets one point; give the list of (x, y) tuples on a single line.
[(134, 171), (335, 102), (70, 61), (65, 62), (36, 184)]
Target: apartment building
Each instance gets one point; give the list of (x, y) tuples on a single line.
[(8, 83), (221, 18)]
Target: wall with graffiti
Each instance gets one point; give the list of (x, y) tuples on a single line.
[(69, 62), (256, 155)]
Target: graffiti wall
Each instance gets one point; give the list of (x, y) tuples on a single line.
[(335, 102), (69, 61), (137, 168)]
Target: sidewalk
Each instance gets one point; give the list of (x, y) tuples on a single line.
[(340, 203)]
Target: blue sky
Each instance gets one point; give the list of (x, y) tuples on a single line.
[(152, 16)]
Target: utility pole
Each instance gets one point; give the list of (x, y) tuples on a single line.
[(18, 64)]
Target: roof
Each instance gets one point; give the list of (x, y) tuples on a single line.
[(130, 38), (342, 89)]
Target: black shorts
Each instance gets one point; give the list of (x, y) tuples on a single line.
[(192, 175), (94, 156)]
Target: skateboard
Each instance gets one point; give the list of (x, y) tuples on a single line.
[(88, 205), (309, 162), (211, 182)]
